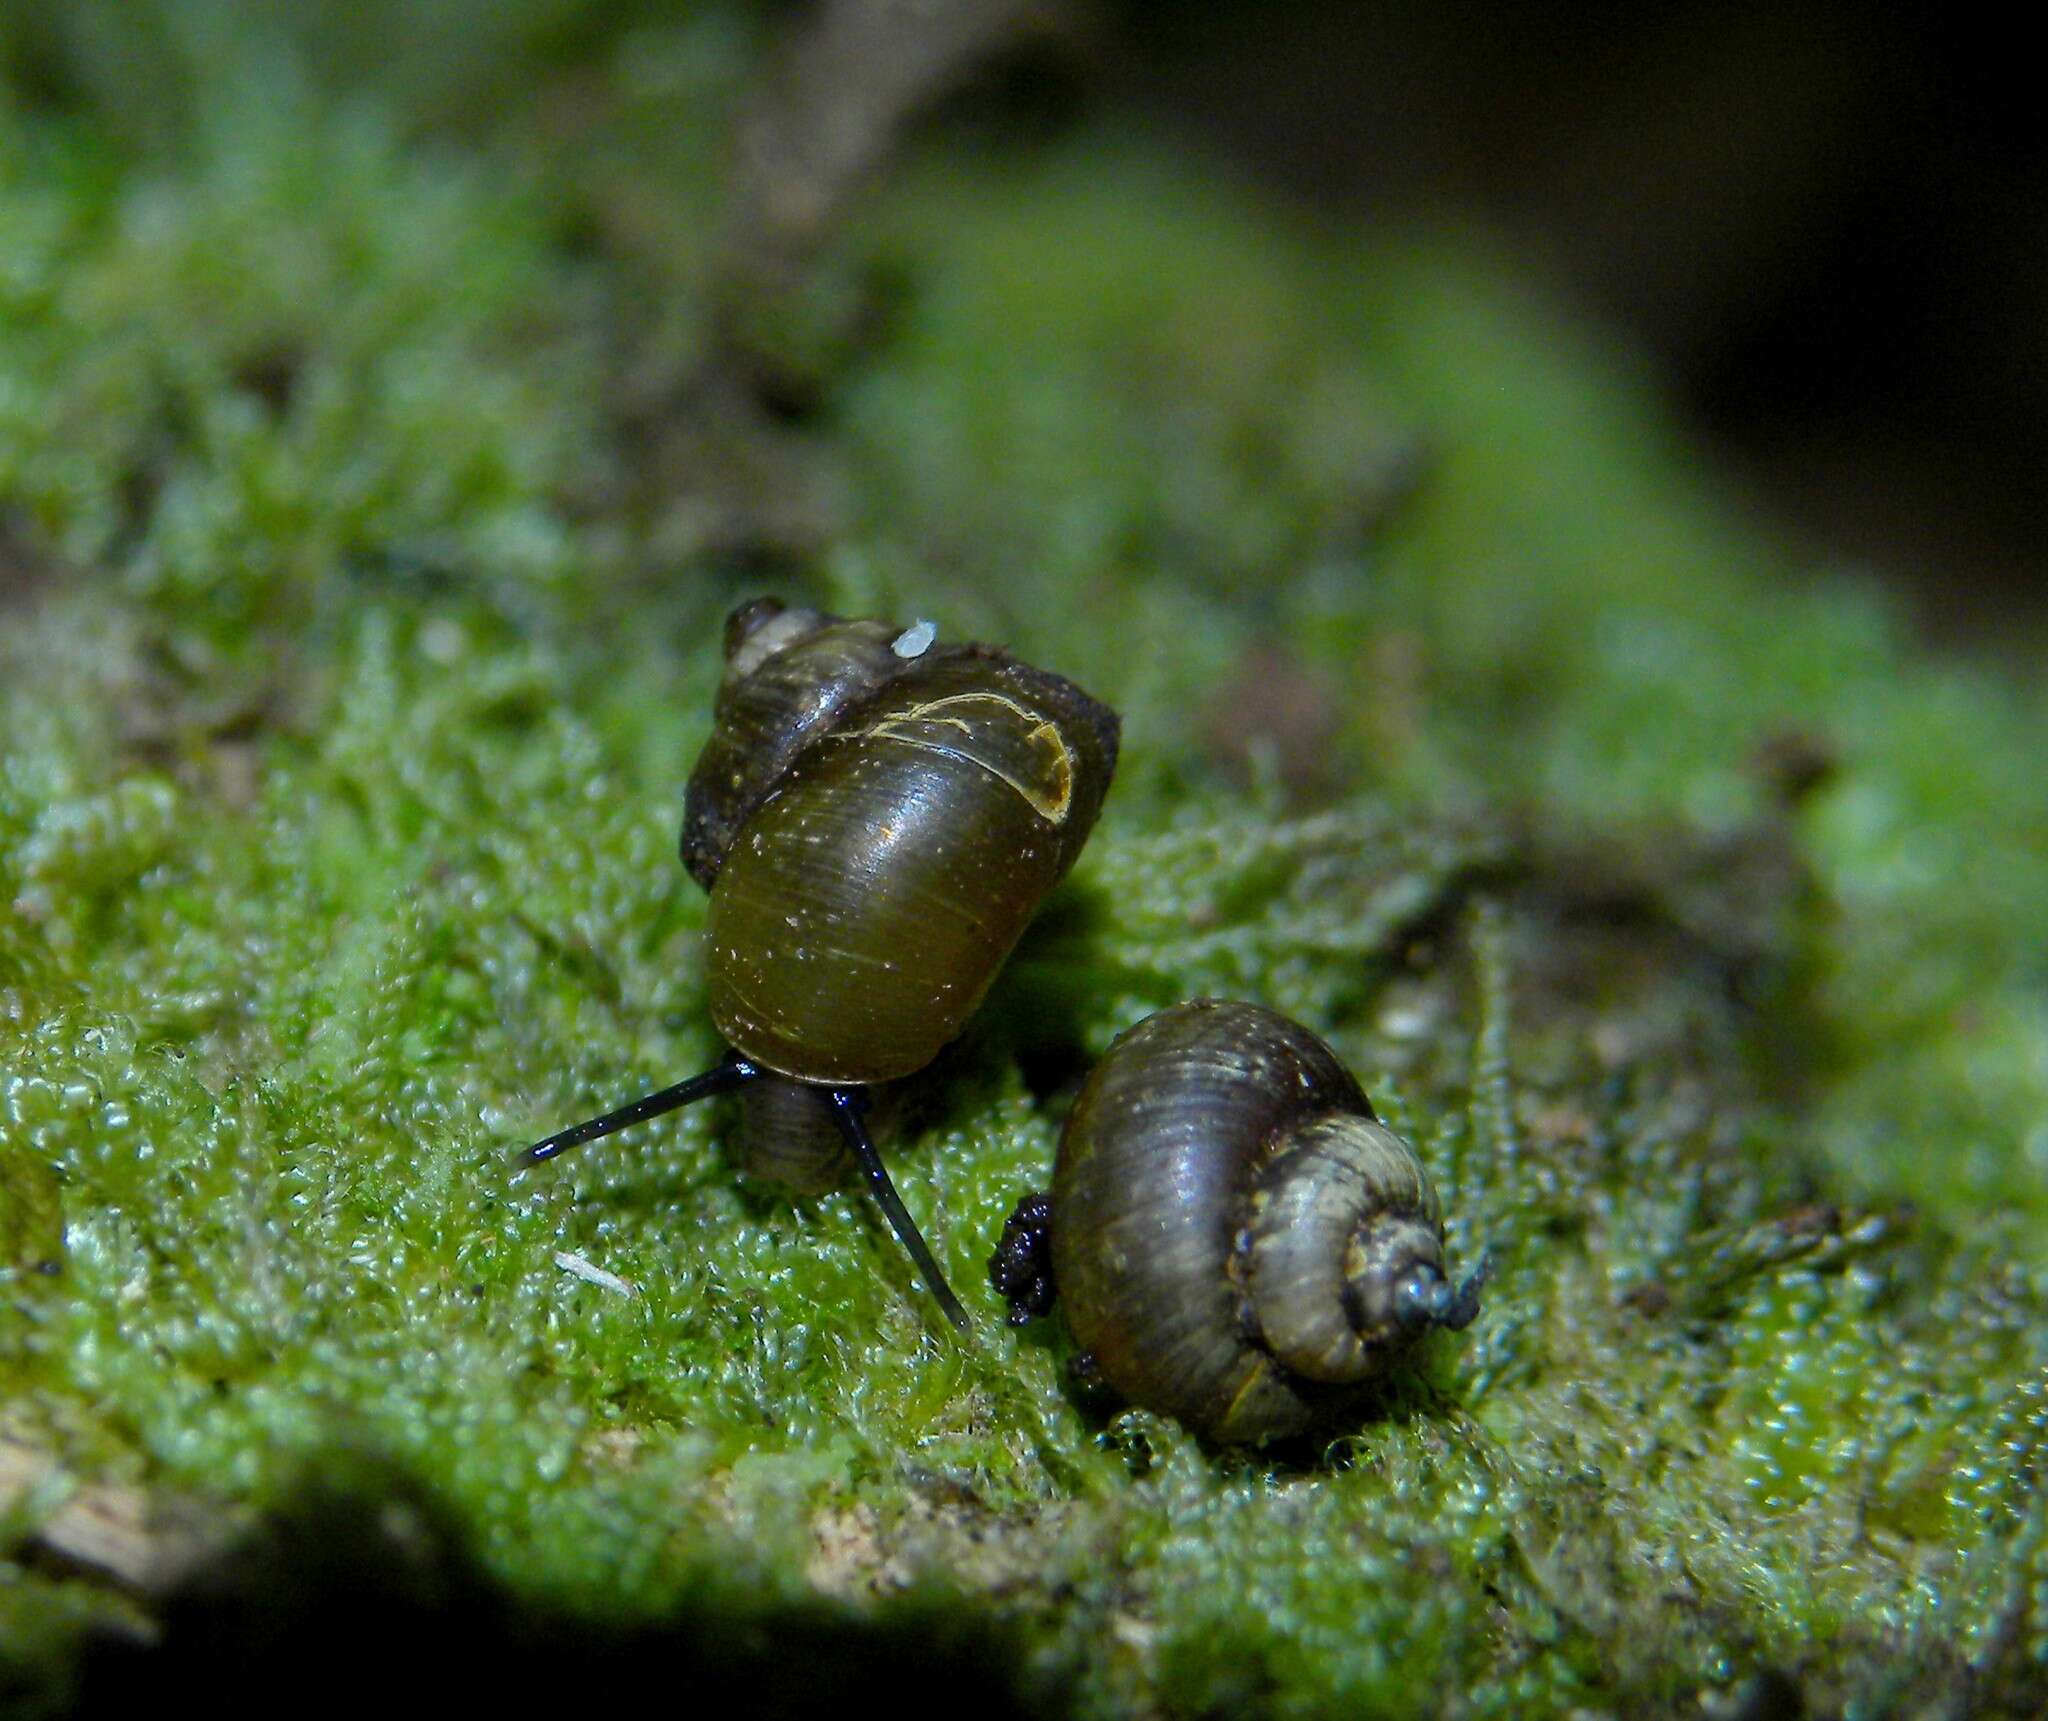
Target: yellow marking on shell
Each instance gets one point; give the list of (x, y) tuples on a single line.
[(1255, 1377), (1050, 800)]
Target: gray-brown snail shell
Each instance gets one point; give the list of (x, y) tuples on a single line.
[(1234, 1238)]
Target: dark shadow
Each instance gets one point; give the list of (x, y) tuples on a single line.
[(361, 1594), (1036, 1010)]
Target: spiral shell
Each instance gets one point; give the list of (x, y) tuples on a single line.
[(877, 817), (1235, 1239)]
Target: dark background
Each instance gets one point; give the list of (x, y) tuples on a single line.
[(1825, 225), (1822, 227)]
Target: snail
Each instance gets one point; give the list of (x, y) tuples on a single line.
[(876, 817), (1233, 1237)]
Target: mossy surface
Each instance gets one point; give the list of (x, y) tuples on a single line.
[(367, 527)]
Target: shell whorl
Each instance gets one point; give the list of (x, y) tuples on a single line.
[(1340, 1218), (790, 675)]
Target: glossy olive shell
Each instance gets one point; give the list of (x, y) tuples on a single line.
[(877, 830), (1225, 1212)]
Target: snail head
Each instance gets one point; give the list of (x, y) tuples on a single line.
[(1424, 1298)]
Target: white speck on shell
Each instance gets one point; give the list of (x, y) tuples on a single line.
[(915, 640)]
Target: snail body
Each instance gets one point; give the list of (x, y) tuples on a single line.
[(876, 817), (782, 1133), (1235, 1239)]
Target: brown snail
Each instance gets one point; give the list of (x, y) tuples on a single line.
[(1234, 1238), (876, 817)]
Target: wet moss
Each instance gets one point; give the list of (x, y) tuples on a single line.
[(344, 724)]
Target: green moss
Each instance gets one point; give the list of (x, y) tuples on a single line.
[(354, 656)]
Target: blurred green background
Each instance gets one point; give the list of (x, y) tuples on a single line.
[(393, 399)]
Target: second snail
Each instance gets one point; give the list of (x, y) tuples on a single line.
[(1233, 1237)]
